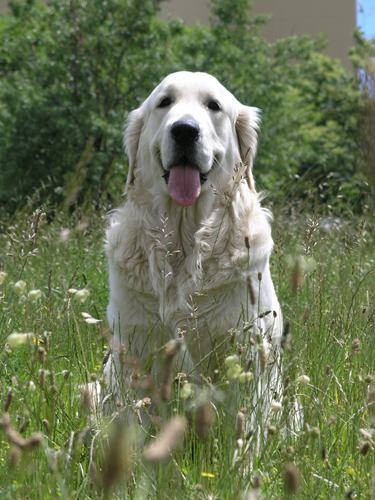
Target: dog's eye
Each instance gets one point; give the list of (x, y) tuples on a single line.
[(165, 102), (213, 105)]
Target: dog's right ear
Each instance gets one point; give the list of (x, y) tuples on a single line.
[(132, 134)]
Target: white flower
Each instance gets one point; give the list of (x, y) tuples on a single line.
[(303, 379), (231, 360), (245, 377), (89, 319), (72, 291), (16, 339), (3, 275), (64, 235), (186, 391), (82, 295), (31, 386), (34, 295), (20, 287), (234, 371), (276, 406), (139, 404)]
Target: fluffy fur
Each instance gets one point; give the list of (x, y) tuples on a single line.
[(186, 272)]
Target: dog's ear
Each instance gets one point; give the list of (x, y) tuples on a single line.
[(247, 124), (132, 134)]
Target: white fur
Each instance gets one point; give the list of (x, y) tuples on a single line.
[(183, 271)]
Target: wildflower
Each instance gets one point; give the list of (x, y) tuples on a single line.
[(139, 404), (231, 360), (89, 319), (64, 235), (303, 379), (17, 339), (186, 391), (20, 287), (31, 386), (34, 295), (3, 275), (234, 372), (245, 377), (82, 295), (211, 475), (276, 406)]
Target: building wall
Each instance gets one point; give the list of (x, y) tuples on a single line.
[(334, 18)]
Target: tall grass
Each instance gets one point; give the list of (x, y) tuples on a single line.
[(325, 278)]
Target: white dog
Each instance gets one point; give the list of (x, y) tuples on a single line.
[(189, 251)]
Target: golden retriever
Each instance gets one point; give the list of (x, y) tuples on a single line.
[(189, 251)]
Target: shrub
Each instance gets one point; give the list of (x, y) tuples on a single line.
[(71, 70)]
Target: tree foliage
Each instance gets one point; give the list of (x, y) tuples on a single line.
[(71, 70)]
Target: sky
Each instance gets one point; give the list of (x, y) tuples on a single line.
[(366, 17)]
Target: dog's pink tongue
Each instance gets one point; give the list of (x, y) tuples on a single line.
[(184, 184)]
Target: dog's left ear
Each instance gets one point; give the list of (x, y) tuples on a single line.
[(133, 130), (247, 124)]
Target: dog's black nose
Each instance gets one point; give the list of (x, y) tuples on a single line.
[(185, 131)]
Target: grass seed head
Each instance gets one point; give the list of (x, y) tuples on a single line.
[(202, 418), (8, 400), (250, 290), (170, 351), (240, 425), (356, 346), (292, 479), (115, 460), (364, 447), (167, 441)]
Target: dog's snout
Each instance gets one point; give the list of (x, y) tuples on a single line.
[(185, 131)]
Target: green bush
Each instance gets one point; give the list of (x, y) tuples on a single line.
[(71, 70)]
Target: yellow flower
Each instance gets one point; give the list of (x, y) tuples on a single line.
[(208, 474)]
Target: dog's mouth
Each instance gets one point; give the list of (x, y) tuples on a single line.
[(184, 183)]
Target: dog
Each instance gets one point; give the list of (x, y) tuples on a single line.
[(188, 252)]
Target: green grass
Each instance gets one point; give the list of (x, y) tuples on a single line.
[(332, 321)]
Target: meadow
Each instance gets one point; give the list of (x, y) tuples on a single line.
[(53, 332)]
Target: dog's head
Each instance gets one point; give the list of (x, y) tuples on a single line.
[(188, 136)]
